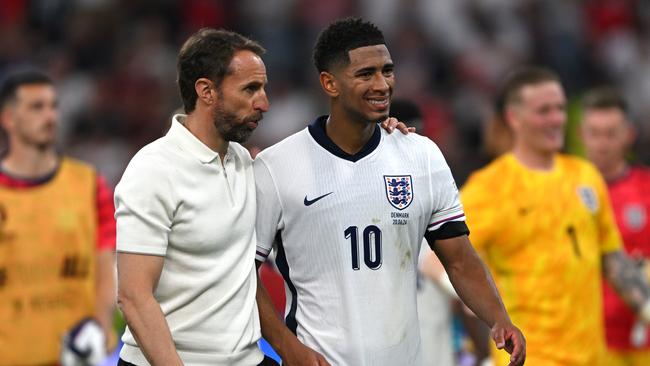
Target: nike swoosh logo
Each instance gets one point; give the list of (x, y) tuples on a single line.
[(311, 202)]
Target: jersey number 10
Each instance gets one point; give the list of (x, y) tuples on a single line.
[(371, 246)]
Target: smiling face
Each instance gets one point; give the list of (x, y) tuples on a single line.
[(242, 99), (365, 84), (538, 117)]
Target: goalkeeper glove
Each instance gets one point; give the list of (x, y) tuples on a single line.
[(84, 345)]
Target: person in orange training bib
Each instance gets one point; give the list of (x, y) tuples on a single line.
[(57, 238)]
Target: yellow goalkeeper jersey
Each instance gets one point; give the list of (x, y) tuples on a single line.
[(542, 234)]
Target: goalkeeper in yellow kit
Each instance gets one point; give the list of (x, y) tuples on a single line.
[(542, 222)]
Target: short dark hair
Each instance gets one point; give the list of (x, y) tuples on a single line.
[(520, 78), (604, 97), (341, 36), (16, 79), (207, 54)]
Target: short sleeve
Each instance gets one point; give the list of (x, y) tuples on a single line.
[(269, 210), (446, 204), (144, 207)]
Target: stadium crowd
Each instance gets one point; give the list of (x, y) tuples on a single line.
[(114, 61)]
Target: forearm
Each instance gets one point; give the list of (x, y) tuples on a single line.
[(273, 329), (628, 279), (149, 327), (105, 294), (476, 288)]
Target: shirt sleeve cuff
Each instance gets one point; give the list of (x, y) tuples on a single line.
[(261, 253), (448, 230)]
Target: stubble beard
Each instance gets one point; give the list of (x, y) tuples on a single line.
[(230, 127), (40, 144)]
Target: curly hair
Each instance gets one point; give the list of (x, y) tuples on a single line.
[(341, 36)]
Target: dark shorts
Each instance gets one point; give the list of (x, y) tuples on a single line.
[(267, 361)]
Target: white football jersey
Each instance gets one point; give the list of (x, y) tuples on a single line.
[(347, 230)]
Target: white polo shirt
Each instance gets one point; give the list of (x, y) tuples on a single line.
[(177, 200)]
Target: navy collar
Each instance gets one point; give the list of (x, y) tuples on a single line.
[(317, 132), (28, 182)]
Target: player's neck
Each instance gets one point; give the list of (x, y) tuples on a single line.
[(533, 159), (200, 124), (348, 134), (614, 171), (29, 161)]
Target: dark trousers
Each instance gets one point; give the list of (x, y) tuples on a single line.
[(267, 361)]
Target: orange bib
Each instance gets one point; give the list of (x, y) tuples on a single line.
[(47, 262)]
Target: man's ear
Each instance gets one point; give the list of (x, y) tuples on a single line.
[(6, 120), (204, 88), (511, 117), (631, 134), (329, 84)]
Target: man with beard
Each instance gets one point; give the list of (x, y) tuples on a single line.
[(57, 237), (185, 209)]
